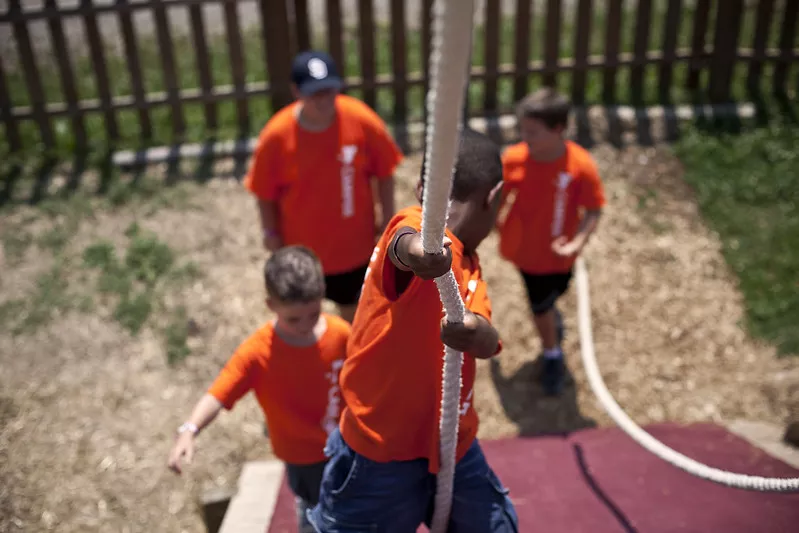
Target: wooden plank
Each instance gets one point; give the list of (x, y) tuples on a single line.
[(787, 35), (82, 9), (274, 26), (670, 35), (414, 79), (581, 44), (612, 46), (701, 19), (491, 56), (134, 67), (203, 63), (302, 29), (725, 44), (399, 61), (96, 51), (765, 11), (233, 32), (521, 52), (335, 34), (9, 122), (552, 44), (643, 21), (67, 75), (33, 81), (366, 22), (167, 53)]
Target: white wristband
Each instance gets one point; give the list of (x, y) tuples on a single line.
[(188, 426)]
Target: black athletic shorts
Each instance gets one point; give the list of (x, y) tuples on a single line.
[(543, 290), (345, 288), (305, 481)]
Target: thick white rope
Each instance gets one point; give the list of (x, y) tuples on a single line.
[(449, 62), (730, 479)]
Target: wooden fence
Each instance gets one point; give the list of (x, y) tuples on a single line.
[(713, 33)]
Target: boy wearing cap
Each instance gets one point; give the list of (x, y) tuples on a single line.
[(312, 175)]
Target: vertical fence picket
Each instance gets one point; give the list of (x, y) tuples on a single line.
[(581, 45), (134, 64), (366, 22), (33, 80), (552, 44), (67, 75)]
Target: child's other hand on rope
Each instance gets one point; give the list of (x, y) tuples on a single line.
[(407, 253), (475, 336)]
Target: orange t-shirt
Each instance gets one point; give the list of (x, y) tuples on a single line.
[(391, 380), (543, 201), (321, 180), (296, 387)]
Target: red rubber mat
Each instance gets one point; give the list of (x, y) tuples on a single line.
[(600, 481)]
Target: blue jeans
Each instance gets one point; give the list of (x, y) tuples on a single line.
[(359, 495)]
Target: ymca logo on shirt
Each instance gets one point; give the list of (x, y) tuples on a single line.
[(564, 178), (333, 400), (347, 157)]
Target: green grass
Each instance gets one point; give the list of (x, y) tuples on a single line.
[(260, 108), (133, 279), (746, 185)]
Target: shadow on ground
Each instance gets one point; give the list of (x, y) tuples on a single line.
[(32, 182)]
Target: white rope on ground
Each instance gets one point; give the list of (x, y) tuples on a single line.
[(730, 479), (449, 61)]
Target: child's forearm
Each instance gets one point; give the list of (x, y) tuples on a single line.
[(205, 411), (398, 249), (588, 225), (486, 341), (385, 195), (269, 217)]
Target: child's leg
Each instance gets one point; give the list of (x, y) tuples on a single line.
[(304, 481), (359, 495), (543, 291), (480, 502)]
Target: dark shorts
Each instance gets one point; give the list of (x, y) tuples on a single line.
[(360, 495), (345, 288), (305, 480), (543, 290)]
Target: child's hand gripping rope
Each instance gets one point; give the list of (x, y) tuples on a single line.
[(410, 254)]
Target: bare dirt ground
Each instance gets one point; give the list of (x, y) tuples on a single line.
[(88, 412)]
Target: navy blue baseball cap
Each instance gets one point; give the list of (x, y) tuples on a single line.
[(314, 71)]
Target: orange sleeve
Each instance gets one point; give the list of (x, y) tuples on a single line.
[(383, 153), (263, 176), (236, 378), (592, 194)]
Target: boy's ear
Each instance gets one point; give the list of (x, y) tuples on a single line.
[(270, 304), (295, 92), (495, 191)]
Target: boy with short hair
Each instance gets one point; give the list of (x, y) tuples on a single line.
[(312, 175), (552, 201), (292, 365), (385, 455)]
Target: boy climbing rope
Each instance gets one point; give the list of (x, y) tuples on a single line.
[(312, 175), (552, 201), (292, 365), (385, 455)]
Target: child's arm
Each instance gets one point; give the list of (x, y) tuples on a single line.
[(267, 211), (588, 225), (474, 335), (203, 414), (407, 254)]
